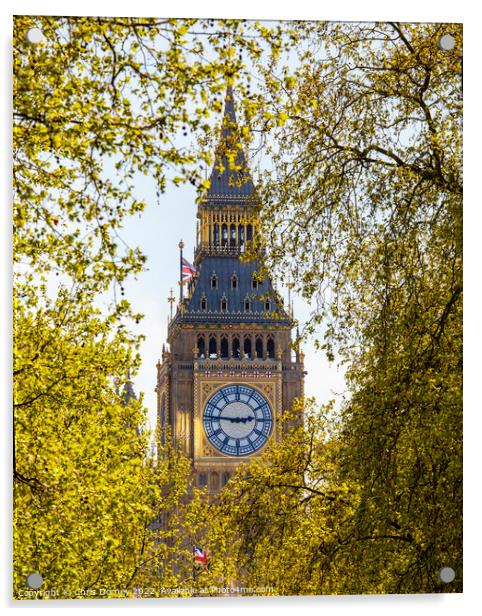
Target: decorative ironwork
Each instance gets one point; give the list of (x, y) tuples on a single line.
[(207, 249)]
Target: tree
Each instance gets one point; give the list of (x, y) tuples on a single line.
[(99, 101), (367, 152), (87, 492), (95, 103), (364, 212)]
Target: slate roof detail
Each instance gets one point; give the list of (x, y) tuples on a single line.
[(224, 267)]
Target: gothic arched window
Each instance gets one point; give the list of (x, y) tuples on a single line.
[(214, 281), (232, 235), (225, 478), (224, 304), (259, 348), (224, 235), (241, 238), (204, 303), (234, 281), (249, 233), (270, 348), (163, 417), (267, 305), (201, 345), (247, 348), (224, 348), (202, 480), (247, 305), (213, 352), (236, 348), (216, 234)]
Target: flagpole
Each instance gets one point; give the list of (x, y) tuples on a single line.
[(181, 246)]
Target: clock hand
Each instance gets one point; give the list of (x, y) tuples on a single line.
[(244, 419), (238, 419)]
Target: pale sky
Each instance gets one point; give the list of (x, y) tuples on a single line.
[(157, 232)]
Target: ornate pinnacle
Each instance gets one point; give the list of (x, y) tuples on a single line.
[(171, 299)]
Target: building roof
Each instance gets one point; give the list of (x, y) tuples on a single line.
[(225, 269), (225, 302), (230, 180)]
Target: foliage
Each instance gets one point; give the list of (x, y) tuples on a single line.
[(363, 212), (328, 511), (86, 489), (97, 102), (368, 154)]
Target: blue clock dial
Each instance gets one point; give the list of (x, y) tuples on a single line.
[(237, 420)]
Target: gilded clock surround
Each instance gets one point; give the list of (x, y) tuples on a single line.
[(207, 388), (237, 419)]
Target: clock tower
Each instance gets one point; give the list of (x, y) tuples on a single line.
[(229, 374)]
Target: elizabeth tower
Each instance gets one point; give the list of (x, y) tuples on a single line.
[(229, 374)]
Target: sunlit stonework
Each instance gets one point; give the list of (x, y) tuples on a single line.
[(230, 373)]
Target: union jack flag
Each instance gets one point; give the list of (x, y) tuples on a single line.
[(188, 270), (200, 556)]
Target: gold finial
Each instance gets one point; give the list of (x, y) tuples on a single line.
[(171, 299)]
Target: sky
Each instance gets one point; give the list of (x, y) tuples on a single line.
[(157, 232)]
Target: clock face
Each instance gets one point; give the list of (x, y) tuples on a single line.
[(237, 420)]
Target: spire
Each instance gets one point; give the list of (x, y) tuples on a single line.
[(128, 393), (230, 180)]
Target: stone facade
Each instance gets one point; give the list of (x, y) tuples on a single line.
[(231, 328)]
